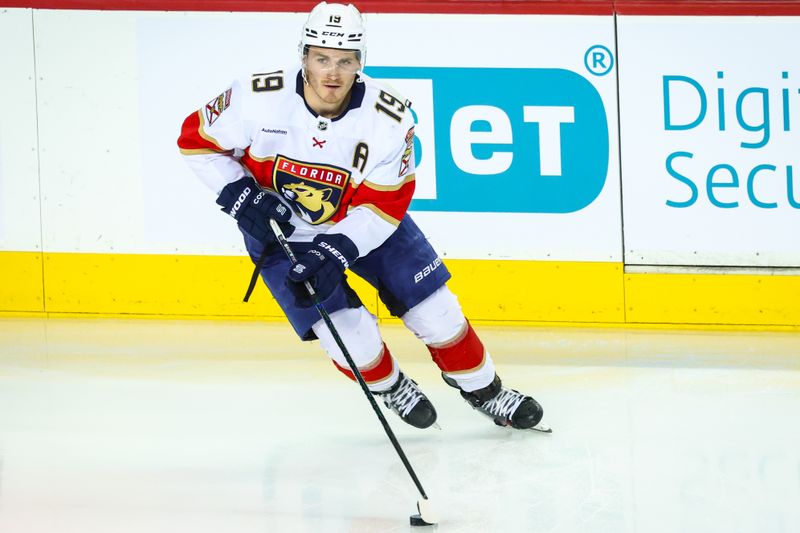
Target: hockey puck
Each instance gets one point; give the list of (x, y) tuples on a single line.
[(416, 520)]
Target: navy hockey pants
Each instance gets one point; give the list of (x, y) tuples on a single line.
[(405, 270)]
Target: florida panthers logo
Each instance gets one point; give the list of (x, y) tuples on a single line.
[(314, 191)]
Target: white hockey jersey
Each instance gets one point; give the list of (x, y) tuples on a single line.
[(355, 171)]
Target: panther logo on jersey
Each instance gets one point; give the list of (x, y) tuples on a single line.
[(314, 191)]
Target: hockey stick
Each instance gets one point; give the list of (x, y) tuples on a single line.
[(425, 516)]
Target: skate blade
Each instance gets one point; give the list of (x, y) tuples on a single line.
[(436, 425), (541, 428)]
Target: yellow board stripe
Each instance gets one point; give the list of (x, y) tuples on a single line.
[(712, 299), (21, 282), (155, 284), (540, 291), (490, 291)]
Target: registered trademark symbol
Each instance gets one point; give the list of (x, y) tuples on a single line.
[(598, 60)]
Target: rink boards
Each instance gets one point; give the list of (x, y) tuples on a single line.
[(569, 169)]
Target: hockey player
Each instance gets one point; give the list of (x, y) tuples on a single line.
[(327, 152)]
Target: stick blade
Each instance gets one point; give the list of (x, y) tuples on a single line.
[(426, 516)]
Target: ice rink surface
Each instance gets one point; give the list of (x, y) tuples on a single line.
[(110, 426)]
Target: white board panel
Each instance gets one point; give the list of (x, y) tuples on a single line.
[(184, 60), (89, 131), (19, 174)]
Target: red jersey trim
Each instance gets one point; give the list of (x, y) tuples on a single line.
[(391, 204), (194, 140), (260, 168)]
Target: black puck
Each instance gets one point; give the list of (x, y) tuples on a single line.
[(416, 520)]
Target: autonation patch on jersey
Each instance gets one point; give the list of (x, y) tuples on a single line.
[(504, 140)]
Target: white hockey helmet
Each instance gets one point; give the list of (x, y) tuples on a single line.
[(335, 26)]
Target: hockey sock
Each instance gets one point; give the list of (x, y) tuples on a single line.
[(380, 373), (464, 360)]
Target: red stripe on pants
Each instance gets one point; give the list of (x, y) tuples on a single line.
[(463, 353), (375, 371)]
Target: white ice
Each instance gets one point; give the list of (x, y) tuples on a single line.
[(117, 426)]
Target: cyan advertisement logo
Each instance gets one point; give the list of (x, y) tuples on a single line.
[(505, 140)]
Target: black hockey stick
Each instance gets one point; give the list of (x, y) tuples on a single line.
[(425, 516)]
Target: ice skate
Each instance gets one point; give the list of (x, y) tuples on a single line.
[(506, 407), (407, 400)]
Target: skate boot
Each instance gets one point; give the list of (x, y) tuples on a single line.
[(409, 402), (506, 407)]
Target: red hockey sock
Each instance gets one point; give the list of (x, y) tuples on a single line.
[(377, 370), (464, 353)]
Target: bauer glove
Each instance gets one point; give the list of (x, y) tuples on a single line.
[(252, 208), (322, 266)]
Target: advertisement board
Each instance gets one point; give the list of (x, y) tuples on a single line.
[(710, 126), (516, 123), (518, 148)]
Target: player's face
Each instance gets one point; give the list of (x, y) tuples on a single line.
[(330, 74)]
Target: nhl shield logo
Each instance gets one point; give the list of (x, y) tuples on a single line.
[(314, 191)]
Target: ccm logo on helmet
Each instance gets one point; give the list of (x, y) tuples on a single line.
[(333, 33)]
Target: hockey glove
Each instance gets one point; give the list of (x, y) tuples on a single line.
[(252, 208), (322, 266)]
